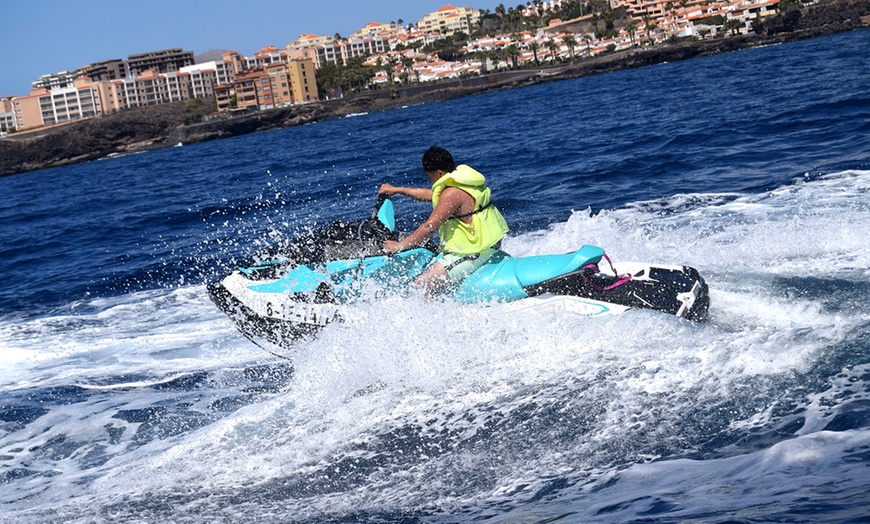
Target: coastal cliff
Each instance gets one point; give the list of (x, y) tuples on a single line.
[(170, 124)]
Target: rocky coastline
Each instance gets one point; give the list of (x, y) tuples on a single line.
[(168, 125)]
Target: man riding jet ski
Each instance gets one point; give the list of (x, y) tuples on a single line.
[(469, 226), (296, 288)]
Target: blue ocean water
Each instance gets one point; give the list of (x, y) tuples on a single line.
[(126, 396)]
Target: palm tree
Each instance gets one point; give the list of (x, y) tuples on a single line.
[(513, 52), (571, 42), (552, 47), (588, 38), (407, 65), (534, 46), (649, 25), (733, 25), (631, 28), (392, 62)]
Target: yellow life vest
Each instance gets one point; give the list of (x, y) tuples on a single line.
[(487, 225)]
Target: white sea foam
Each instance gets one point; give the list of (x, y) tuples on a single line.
[(435, 397), (153, 333)]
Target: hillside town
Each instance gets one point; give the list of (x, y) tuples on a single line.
[(392, 54)]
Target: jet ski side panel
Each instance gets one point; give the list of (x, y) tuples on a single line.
[(678, 290)]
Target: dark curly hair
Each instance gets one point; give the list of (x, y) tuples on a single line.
[(437, 158)]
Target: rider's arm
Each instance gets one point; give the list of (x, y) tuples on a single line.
[(449, 204), (423, 194)]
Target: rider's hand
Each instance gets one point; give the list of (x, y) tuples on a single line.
[(392, 247), (387, 190)]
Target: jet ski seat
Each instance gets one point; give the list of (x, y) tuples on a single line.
[(536, 269), (504, 277)]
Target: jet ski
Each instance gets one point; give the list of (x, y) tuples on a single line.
[(295, 288)]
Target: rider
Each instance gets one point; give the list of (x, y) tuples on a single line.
[(468, 224)]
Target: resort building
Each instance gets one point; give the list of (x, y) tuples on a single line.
[(340, 51), (165, 61), (449, 20), (233, 62), (748, 11), (274, 85), (264, 57), (114, 69), (60, 80), (205, 76), (303, 81), (373, 29), (152, 88), (307, 41), (43, 107), (7, 115)]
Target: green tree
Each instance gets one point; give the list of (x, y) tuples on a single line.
[(733, 26), (350, 77), (407, 68), (650, 27), (552, 47), (571, 42), (631, 29), (512, 52), (392, 62), (534, 46)]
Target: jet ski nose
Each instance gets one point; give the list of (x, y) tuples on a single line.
[(218, 294)]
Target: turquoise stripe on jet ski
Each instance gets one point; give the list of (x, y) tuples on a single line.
[(504, 277), (399, 270), (395, 272)]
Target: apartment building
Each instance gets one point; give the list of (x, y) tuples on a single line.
[(268, 79), (233, 62), (147, 90), (303, 81), (205, 76), (449, 20), (307, 41), (373, 29), (166, 61), (247, 89), (224, 95), (264, 57), (270, 86), (122, 94), (114, 69), (263, 88), (61, 80), (43, 107), (340, 52), (7, 115), (747, 11)]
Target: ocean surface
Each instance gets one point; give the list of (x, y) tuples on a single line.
[(127, 396)]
